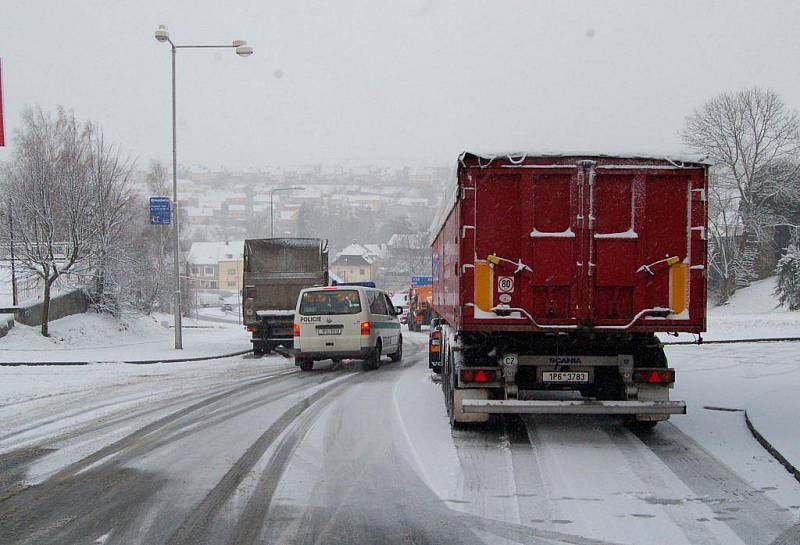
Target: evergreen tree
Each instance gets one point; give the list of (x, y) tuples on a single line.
[(788, 288)]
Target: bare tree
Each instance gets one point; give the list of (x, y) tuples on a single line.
[(50, 201), (743, 134), (113, 213)]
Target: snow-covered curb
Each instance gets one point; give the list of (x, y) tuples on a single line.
[(133, 362), (791, 468)]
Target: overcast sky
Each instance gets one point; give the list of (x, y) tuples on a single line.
[(392, 82)]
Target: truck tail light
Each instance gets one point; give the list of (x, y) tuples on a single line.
[(250, 328), (478, 375), (296, 328), (654, 376), (366, 328)]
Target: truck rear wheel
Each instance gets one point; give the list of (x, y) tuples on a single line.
[(305, 364), (640, 426), (450, 397)]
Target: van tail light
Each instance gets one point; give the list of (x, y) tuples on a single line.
[(250, 328), (366, 328), (478, 375), (296, 328), (436, 340), (654, 376)]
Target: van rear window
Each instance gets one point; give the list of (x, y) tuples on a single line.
[(316, 303)]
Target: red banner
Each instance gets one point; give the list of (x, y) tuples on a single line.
[(2, 133)]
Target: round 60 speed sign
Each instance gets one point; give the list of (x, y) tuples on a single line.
[(505, 284)]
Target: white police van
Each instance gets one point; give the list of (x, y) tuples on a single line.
[(345, 322)]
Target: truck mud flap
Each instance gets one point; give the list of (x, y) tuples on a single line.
[(514, 406)]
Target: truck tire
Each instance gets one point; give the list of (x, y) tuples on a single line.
[(450, 402), (397, 356), (650, 355), (258, 349), (374, 360), (640, 426), (305, 364)]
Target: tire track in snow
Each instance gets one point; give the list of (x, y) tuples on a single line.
[(102, 486), (645, 471), (195, 528), (127, 413), (754, 517)]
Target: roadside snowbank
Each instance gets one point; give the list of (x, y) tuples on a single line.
[(102, 338), (99, 337)]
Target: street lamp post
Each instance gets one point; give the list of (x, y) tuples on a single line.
[(271, 192), (243, 50)]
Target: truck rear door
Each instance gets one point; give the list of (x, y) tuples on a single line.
[(587, 243), (527, 222), (640, 241)]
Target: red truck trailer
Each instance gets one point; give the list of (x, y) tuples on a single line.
[(554, 272)]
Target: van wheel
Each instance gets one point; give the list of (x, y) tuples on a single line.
[(374, 361), (397, 356), (306, 365)]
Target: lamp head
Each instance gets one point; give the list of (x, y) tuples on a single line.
[(162, 34), (242, 49)]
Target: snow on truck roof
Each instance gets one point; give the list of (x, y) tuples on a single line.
[(520, 156)]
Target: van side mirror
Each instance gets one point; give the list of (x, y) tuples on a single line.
[(398, 311)]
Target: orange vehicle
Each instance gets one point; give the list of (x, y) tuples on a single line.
[(420, 307)]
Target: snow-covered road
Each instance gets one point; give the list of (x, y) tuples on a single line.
[(249, 450)]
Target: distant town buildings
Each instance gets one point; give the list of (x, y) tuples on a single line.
[(347, 206), (359, 263), (220, 205), (216, 265)]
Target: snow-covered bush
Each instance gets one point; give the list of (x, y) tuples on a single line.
[(788, 288)]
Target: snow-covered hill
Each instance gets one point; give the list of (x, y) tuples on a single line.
[(756, 299)]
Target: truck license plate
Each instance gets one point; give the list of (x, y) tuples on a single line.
[(329, 331), (565, 377)]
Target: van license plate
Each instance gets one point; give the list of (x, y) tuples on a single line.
[(565, 377), (329, 331)]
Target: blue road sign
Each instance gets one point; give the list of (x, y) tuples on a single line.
[(160, 211), (419, 281)]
